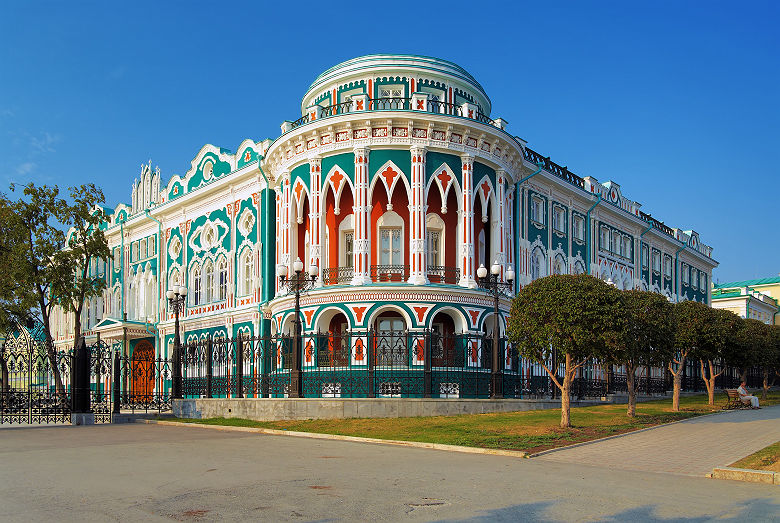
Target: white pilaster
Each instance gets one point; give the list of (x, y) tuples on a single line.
[(315, 249), (361, 245), (467, 224), (417, 247)]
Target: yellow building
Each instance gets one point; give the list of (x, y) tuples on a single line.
[(757, 299)]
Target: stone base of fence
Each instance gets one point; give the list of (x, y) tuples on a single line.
[(279, 409), (82, 418)]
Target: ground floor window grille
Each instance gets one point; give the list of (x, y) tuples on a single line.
[(390, 389), (331, 390), (449, 390)]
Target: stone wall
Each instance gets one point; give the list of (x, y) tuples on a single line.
[(275, 409)]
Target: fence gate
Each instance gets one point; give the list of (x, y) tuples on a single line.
[(34, 379)]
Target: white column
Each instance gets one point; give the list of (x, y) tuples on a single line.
[(315, 247), (467, 224), (286, 229), (361, 241), (417, 245), (502, 222)]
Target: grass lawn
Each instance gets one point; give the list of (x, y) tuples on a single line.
[(529, 431), (765, 459)]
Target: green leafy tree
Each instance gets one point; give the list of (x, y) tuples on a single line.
[(16, 300), (86, 244), (691, 335), (30, 256), (723, 331), (578, 317), (753, 339), (772, 362), (647, 336)]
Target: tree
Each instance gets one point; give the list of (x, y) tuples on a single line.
[(691, 332), (86, 243), (753, 339), (578, 317), (721, 342), (647, 336), (16, 301), (764, 353), (31, 259)]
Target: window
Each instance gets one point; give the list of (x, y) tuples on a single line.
[(248, 268), (349, 249), (579, 227), (684, 270), (644, 257), (537, 209), (537, 261), (627, 246), (560, 266), (153, 245), (703, 281), (667, 265), (222, 270), (604, 238), (391, 342), (390, 247), (142, 249), (197, 286), (559, 219), (694, 279), (434, 238), (117, 259), (616, 245), (656, 261), (134, 252), (208, 283), (579, 268), (391, 91)]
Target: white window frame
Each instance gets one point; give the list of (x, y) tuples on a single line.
[(537, 210), (222, 279), (685, 276), (559, 218), (390, 220), (578, 227), (627, 246)]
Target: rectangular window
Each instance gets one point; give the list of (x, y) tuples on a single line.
[(390, 245), (349, 249), (391, 91), (695, 279), (142, 249), (537, 210), (667, 265), (644, 257), (559, 219), (604, 238), (153, 245), (579, 227), (627, 250), (703, 281), (615, 242), (656, 261), (434, 238), (685, 274), (134, 252)]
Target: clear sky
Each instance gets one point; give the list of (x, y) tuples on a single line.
[(678, 102)]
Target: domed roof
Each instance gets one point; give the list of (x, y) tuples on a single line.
[(393, 64)]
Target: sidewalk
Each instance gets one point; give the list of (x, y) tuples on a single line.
[(691, 447)]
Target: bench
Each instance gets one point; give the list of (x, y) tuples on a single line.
[(734, 401)]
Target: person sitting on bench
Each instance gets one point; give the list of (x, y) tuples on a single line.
[(745, 396)]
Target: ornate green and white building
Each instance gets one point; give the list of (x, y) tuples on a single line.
[(396, 183)]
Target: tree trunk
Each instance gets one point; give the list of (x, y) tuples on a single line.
[(630, 383), (709, 381), (743, 374), (677, 385), (76, 329), (766, 384), (566, 400)]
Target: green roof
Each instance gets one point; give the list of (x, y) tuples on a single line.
[(748, 283), (728, 295)]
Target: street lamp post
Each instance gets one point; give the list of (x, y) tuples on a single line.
[(176, 300), (496, 289), (298, 284)]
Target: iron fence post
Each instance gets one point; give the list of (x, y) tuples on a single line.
[(116, 383), (209, 369), (265, 368), (370, 354), (81, 379), (427, 339), (240, 367)]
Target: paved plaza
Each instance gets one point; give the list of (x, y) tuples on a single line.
[(692, 447), (151, 472)]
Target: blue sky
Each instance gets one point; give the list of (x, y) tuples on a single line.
[(675, 101)]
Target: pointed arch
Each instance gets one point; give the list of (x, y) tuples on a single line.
[(388, 175)]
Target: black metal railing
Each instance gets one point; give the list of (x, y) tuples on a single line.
[(553, 168), (442, 274), (337, 275), (336, 109), (436, 106), (390, 104)]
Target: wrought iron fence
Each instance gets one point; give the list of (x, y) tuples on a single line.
[(389, 273), (442, 274), (336, 275)]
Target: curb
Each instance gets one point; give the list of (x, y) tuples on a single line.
[(746, 475), (605, 438), (339, 437)]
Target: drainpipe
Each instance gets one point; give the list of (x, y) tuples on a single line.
[(590, 232), (263, 258), (677, 271), (122, 269), (519, 207), (159, 241)]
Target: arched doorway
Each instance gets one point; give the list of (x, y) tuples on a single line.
[(443, 343), (338, 349), (142, 369), (390, 340)]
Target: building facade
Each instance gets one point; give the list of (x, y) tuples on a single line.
[(392, 188), (757, 299)]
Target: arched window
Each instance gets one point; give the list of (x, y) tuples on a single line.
[(208, 281), (559, 267), (578, 267), (246, 272), (197, 286), (150, 296), (222, 271), (537, 264)]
